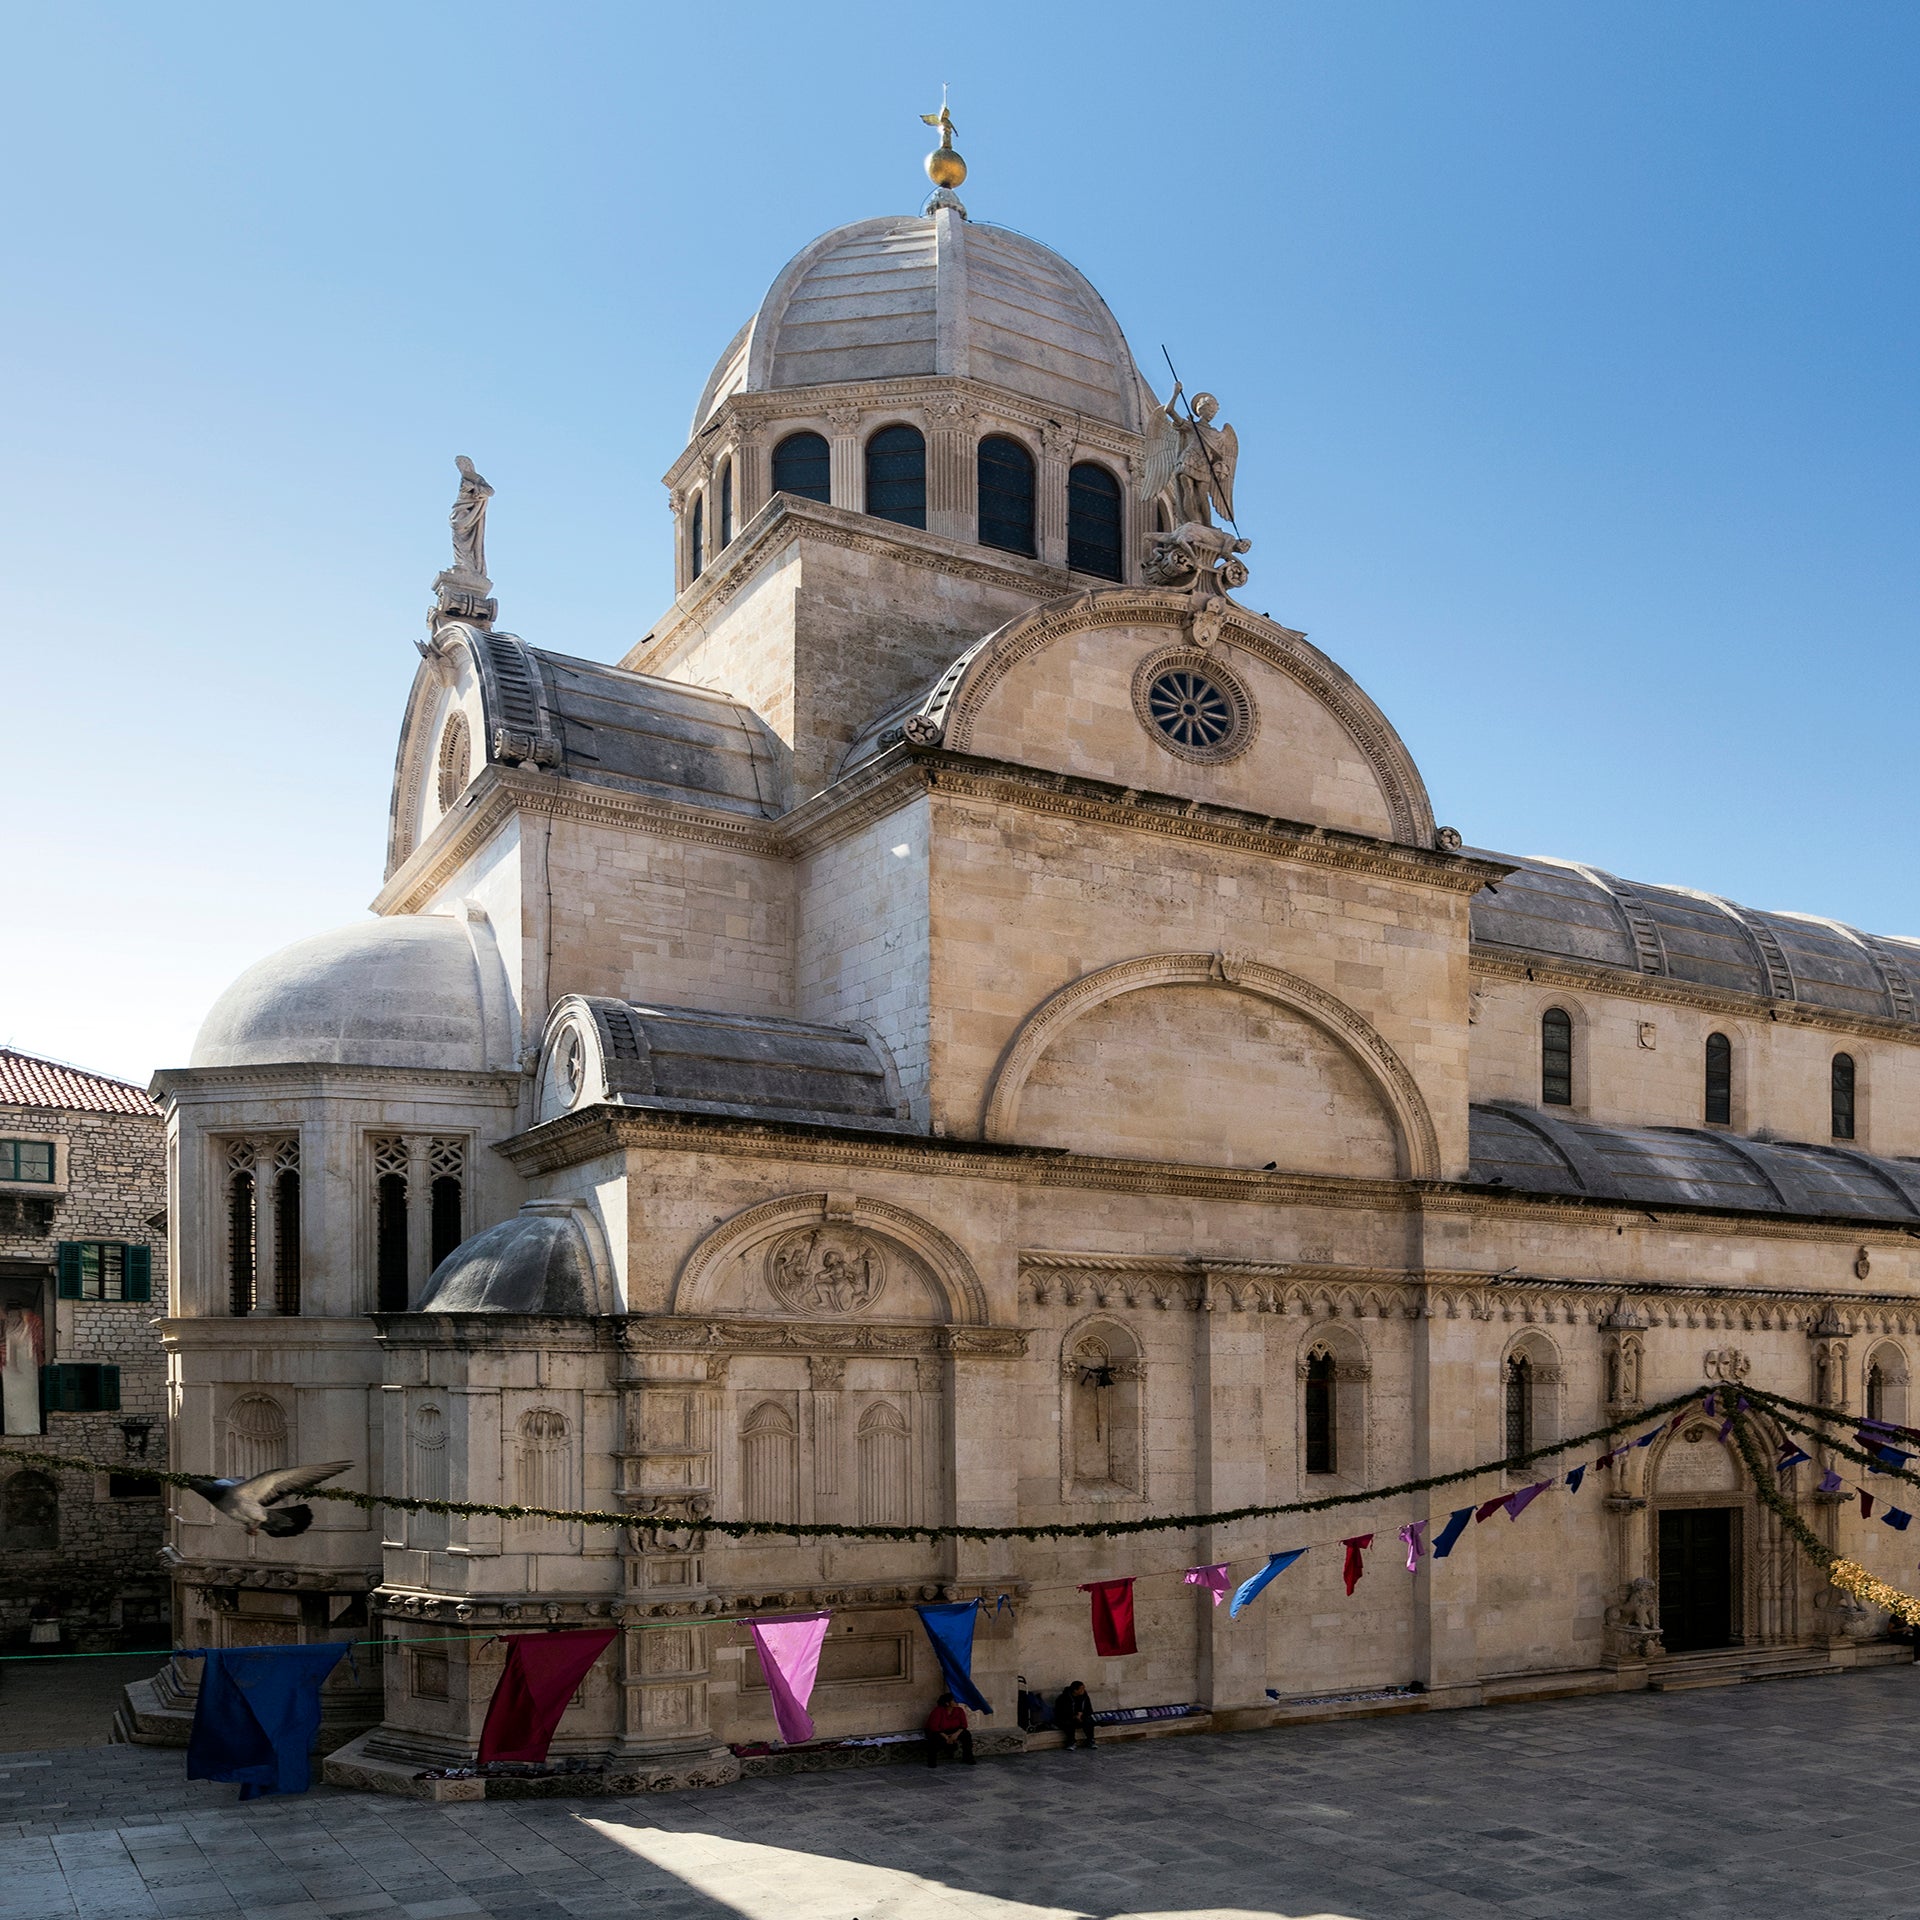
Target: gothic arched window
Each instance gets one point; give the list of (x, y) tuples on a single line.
[(1556, 1058), (697, 538), (1094, 522), (803, 467), (1876, 1392), (767, 1461), (446, 1172), (390, 1225), (1006, 495), (726, 507), (1719, 1103), (897, 476), (886, 1461), (1322, 1425), (1519, 1408), (286, 1228), (240, 1228), (1843, 1096)]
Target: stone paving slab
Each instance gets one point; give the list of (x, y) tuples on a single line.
[(1786, 1799)]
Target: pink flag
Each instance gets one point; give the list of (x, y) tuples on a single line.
[(1518, 1503), (790, 1657), (1411, 1535), (1214, 1579)]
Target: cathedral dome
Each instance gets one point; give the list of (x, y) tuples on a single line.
[(410, 990), (908, 296), (539, 1261)]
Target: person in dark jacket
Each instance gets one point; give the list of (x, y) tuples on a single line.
[(947, 1732), (1073, 1713)]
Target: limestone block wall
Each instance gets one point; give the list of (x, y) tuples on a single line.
[(1642, 1062)]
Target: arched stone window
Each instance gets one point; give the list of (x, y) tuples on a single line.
[(803, 467), (1096, 519), (886, 1466), (446, 1182), (1102, 1376), (256, 1436), (1719, 1100), (1886, 1388), (897, 476), (1333, 1373), (768, 1461), (1843, 1101), (726, 507), (542, 1462), (1556, 1058), (30, 1514), (455, 759), (1006, 495), (428, 1477), (1530, 1380), (1518, 1404), (1322, 1414), (286, 1227), (240, 1226), (697, 538), (390, 1225)]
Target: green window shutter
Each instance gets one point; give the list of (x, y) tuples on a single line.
[(69, 1270), (139, 1273), (56, 1389), (109, 1390)]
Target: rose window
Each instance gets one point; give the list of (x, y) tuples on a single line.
[(1190, 709)]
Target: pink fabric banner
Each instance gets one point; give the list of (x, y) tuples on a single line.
[(790, 1657), (1214, 1579), (1410, 1534)]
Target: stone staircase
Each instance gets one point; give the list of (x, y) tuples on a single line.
[(1734, 1666)]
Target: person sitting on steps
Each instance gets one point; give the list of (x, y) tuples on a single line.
[(1073, 1713), (947, 1732)]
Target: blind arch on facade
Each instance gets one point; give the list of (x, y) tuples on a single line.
[(885, 1448), (768, 1461), (256, 1436)]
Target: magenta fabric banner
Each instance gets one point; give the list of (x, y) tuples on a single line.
[(790, 1657), (1214, 1579), (1410, 1535)]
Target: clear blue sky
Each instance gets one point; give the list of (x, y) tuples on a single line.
[(1571, 350)]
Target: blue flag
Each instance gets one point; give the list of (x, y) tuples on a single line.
[(1574, 1479), (950, 1628), (1455, 1527), (1898, 1518), (258, 1713), (1251, 1590)]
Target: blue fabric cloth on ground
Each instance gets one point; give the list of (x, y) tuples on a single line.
[(1250, 1590), (950, 1628), (257, 1715)]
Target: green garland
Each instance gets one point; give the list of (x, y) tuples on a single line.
[(809, 1530), (1774, 1402)]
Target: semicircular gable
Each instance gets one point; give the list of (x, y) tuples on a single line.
[(1330, 1059), (1058, 688)]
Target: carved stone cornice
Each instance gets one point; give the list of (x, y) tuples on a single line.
[(654, 1333), (210, 1578), (1493, 963), (307, 1081)]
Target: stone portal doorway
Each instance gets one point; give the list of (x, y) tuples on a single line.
[(1696, 1577)]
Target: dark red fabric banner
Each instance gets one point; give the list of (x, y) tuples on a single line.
[(1353, 1569), (543, 1669), (1112, 1617)]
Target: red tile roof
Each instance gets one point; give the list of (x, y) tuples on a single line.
[(26, 1080)]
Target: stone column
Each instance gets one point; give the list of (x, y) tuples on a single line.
[(266, 1298), (752, 476), (1056, 457), (826, 1374), (847, 483), (419, 1214), (1230, 1470), (953, 474)]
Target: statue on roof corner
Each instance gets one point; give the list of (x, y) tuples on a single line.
[(1191, 462), (463, 591)]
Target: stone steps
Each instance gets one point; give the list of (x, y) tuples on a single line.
[(1735, 1666)]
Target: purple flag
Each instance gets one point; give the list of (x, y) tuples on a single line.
[(1791, 1456), (1830, 1482), (790, 1658), (1213, 1578), (1411, 1535), (1518, 1503)]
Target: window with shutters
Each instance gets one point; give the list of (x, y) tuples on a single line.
[(81, 1387), (1719, 1102), (803, 467), (726, 507), (897, 476), (104, 1270), (1006, 494), (1556, 1058), (1843, 1090), (28, 1160), (1095, 520)]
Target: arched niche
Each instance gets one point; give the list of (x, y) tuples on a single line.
[(1103, 1379), (828, 1256), (1157, 1078)]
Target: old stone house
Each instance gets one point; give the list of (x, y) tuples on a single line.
[(83, 1285), (966, 1020)]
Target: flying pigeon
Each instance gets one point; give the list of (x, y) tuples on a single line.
[(248, 1501)]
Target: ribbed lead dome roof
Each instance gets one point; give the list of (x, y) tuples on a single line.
[(1559, 911), (935, 293)]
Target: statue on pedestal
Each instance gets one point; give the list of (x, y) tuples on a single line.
[(1191, 459), (463, 591)]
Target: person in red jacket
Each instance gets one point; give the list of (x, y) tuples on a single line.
[(947, 1732)]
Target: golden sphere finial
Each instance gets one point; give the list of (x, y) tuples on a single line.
[(945, 168)]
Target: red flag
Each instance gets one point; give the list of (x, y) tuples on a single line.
[(543, 1669), (1866, 1504), (1488, 1508), (1352, 1570), (1112, 1617)]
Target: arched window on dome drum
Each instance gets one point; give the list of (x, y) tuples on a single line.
[(390, 1225), (1556, 1058), (286, 1230), (1006, 495), (697, 539), (1321, 1387), (1094, 521), (897, 476), (1519, 1408), (240, 1240), (1843, 1096), (1719, 1080), (726, 507), (803, 467), (446, 1173)]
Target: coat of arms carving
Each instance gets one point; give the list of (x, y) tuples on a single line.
[(826, 1270)]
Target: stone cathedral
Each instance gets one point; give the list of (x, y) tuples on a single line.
[(964, 1021)]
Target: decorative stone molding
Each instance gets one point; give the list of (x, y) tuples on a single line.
[(1413, 1124), (651, 1334)]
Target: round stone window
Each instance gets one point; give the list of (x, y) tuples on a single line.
[(1193, 706), (455, 759)]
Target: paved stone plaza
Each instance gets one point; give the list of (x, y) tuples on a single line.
[(1789, 1798)]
